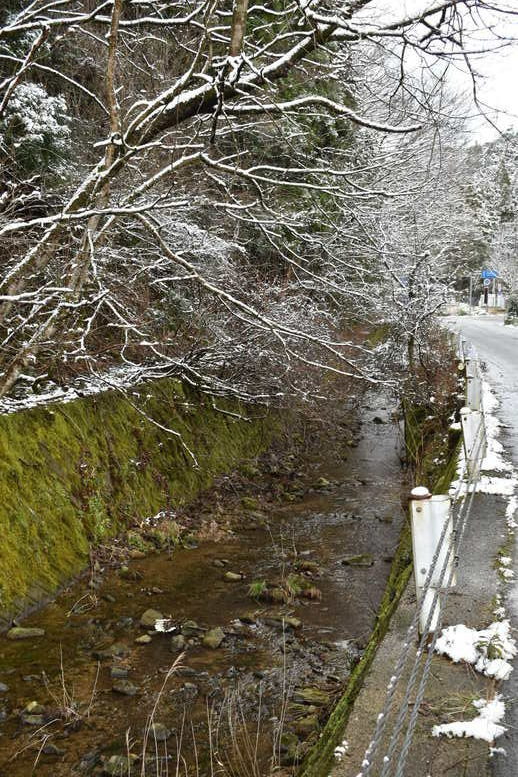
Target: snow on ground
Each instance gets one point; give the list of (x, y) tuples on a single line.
[(341, 750), (165, 625), (485, 726), (510, 513), (487, 650), (494, 461)]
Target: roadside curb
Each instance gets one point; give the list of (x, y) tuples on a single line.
[(451, 688), (457, 700)]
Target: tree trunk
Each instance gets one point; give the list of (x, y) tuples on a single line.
[(238, 27)]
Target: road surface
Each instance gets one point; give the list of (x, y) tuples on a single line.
[(497, 347)]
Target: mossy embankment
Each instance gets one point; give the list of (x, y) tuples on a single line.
[(75, 474), (432, 451)]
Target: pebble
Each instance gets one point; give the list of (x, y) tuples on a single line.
[(177, 643), (159, 732), (233, 577), (190, 629), (35, 708), (118, 672), (214, 638), (125, 687), (19, 632), (119, 765), (145, 639), (149, 617), (50, 749), (360, 560), (33, 720)]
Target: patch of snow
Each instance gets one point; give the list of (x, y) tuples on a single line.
[(165, 625), (488, 484), (489, 398), (497, 751), (153, 520), (485, 726), (510, 512), (488, 650), (341, 750), (120, 377)]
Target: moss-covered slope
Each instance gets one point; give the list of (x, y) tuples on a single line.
[(76, 473)]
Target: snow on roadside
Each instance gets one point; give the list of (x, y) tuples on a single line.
[(510, 513), (493, 462), (487, 650), (341, 749), (485, 726)]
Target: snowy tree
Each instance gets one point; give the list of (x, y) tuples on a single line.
[(253, 126)]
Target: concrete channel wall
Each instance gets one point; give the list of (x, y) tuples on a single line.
[(73, 475)]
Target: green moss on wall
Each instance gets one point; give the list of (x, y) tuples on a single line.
[(72, 475)]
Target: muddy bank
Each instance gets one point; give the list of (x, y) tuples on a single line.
[(263, 667)]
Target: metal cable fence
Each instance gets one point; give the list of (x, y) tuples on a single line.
[(387, 752)]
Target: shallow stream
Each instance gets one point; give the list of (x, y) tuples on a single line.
[(60, 713)]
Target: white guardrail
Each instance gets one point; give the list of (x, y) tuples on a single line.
[(438, 526), (431, 517)]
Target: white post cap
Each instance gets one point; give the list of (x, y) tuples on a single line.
[(420, 492)]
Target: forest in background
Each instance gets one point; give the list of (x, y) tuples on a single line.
[(233, 193)]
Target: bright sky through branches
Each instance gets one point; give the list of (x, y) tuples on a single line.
[(496, 66)]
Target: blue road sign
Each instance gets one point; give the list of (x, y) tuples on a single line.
[(489, 274)]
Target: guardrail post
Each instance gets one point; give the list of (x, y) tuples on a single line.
[(428, 515), (474, 437), (460, 348), (473, 384)]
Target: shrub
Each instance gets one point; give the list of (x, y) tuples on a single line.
[(34, 129)]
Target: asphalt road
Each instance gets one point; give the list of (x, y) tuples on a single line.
[(497, 347)]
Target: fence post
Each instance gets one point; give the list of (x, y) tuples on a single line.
[(460, 347), (473, 436), (473, 384), (428, 515)]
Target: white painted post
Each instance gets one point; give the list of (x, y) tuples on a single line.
[(428, 515), (474, 437), (471, 365), (460, 348), (473, 384)]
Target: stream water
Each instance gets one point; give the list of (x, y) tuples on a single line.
[(59, 712)]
